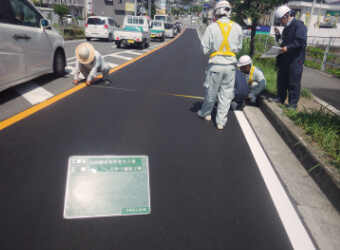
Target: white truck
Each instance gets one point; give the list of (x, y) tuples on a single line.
[(135, 31)]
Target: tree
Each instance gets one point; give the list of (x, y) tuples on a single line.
[(255, 9), (61, 11)]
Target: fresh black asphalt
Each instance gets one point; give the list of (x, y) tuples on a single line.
[(206, 190)]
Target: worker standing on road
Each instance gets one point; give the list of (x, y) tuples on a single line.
[(290, 63), (222, 40), (89, 62), (254, 75)]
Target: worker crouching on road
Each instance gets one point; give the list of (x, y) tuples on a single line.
[(222, 40), (254, 75), (89, 62), (290, 63)]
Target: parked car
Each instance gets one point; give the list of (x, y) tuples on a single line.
[(69, 20), (246, 33), (157, 30), (29, 46), (100, 27), (135, 31), (169, 30)]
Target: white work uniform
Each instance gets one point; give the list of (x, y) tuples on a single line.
[(256, 81), (220, 79), (90, 70)]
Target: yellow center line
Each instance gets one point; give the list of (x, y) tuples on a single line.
[(14, 119)]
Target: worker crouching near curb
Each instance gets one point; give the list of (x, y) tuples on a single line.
[(222, 40), (89, 62), (254, 75)]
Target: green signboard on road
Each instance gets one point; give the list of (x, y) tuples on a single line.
[(100, 186)]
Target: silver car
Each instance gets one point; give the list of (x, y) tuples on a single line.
[(29, 46), (169, 30)]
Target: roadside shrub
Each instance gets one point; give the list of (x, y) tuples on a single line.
[(323, 127)]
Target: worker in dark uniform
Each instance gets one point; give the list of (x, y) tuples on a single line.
[(241, 91), (290, 63)]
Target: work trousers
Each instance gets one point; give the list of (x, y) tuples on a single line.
[(220, 82), (104, 69), (257, 87), (289, 80)]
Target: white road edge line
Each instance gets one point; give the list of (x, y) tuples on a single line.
[(33, 93), (296, 232)]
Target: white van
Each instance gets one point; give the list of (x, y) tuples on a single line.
[(29, 46), (100, 27), (165, 18)]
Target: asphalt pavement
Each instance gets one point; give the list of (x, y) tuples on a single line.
[(205, 186)]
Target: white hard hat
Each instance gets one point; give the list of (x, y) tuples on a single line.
[(244, 61), (281, 11), (222, 8)]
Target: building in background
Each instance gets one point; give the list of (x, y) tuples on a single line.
[(76, 7)]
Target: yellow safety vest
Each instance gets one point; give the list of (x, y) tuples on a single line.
[(225, 43), (251, 75)]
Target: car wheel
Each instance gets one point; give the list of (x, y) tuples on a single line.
[(59, 63), (142, 45), (88, 39), (110, 38)]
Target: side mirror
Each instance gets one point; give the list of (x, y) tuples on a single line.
[(45, 24)]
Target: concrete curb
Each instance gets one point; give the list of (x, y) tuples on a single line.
[(325, 176)]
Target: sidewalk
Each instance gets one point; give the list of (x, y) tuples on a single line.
[(325, 87)]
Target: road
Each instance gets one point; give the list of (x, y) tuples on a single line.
[(208, 188)]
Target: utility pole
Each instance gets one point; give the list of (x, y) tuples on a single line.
[(135, 7), (85, 11), (149, 8), (311, 15)]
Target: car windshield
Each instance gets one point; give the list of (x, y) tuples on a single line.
[(96, 21), (162, 18), (157, 24), (168, 25)]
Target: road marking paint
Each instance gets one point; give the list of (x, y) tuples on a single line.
[(296, 232), (33, 93), (71, 58), (69, 69), (134, 53), (14, 119), (112, 65), (121, 57)]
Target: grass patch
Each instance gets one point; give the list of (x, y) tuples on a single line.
[(306, 93), (323, 127)]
